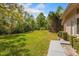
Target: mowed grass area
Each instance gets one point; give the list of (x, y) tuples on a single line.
[(34, 43)]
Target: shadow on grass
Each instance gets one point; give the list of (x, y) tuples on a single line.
[(13, 36), (14, 47)]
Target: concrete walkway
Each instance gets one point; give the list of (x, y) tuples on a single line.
[(55, 49)]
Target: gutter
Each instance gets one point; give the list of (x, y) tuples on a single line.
[(67, 12)]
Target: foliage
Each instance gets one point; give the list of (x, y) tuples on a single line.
[(41, 21), (76, 44), (71, 39), (63, 35), (54, 20), (29, 24), (11, 14), (74, 41), (14, 19)]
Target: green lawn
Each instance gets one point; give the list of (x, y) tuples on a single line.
[(34, 43)]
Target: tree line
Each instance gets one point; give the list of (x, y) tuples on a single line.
[(13, 19)]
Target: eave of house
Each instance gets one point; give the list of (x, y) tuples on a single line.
[(68, 12)]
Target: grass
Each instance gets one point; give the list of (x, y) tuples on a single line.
[(34, 43)]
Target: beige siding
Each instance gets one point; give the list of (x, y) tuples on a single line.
[(67, 26), (70, 25)]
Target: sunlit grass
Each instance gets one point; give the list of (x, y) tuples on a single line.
[(37, 42)]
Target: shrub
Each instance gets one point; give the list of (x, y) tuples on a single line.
[(60, 34), (77, 47), (63, 35), (74, 41), (71, 39), (76, 44)]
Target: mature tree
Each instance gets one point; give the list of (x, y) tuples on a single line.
[(41, 21), (10, 15), (59, 10), (29, 24), (54, 20)]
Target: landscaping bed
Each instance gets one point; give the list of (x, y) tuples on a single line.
[(74, 41)]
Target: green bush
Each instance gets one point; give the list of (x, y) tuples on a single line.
[(74, 41), (78, 47), (63, 35), (71, 39), (60, 34), (76, 44)]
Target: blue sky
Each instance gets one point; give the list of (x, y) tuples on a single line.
[(36, 8)]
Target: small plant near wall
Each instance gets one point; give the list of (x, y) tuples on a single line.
[(71, 39), (63, 35)]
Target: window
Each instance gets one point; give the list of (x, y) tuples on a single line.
[(78, 26)]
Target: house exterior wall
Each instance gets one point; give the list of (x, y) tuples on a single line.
[(70, 25)]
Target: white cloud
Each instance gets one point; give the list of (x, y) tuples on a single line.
[(31, 10), (40, 6), (27, 5), (36, 10)]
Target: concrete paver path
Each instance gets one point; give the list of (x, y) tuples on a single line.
[(55, 49)]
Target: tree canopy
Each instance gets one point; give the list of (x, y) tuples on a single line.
[(41, 21), (54, 20), (13, 19)]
